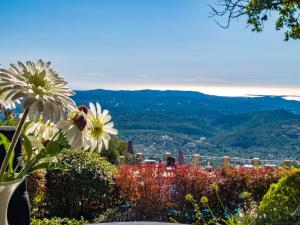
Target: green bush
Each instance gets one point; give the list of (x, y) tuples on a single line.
[(281, 204), (57, 221), (9, 122), (85, 189)]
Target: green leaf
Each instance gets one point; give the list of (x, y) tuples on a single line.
[(6, 143), (48, 165), (52, 148), (27, 146)]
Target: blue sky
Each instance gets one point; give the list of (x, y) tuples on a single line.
[(134, 44)]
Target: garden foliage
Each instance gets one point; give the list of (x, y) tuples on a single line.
[(281, 204), (91, 187), (84, 189), (148, 187), (57, 221), (157, 194)]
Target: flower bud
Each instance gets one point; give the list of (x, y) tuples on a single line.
[(45, 142), (214, 187), (204, 200), (83, 108)]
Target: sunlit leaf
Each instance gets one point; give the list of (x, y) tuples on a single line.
[(52, 148), (6, 143), (27, 146)]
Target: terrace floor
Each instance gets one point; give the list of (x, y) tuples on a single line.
[(137, 223)]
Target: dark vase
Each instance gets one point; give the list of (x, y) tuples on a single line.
[(19, 208)]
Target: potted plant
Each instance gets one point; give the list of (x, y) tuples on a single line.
[(50, 114)]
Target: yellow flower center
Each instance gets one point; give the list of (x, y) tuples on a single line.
[(73, 115), (97, 128), (38, 81)]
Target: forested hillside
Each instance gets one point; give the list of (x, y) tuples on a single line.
[(267, 126)]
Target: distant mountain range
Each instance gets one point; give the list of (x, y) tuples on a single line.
[(157, 121)]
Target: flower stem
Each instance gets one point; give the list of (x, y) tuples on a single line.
[(210, 211), (220, 201), (13, 144), (197, 210), (19, 163), (57, 133)]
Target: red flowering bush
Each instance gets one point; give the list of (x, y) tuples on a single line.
[(147, 186), (198, 182), (259, 180), (157, 193)]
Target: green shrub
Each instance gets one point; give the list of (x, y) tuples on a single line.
[(86, 188), (281, 204), (9, 121), (57, 221)]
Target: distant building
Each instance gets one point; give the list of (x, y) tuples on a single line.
[(190, 145), (201, 140), (130, 147), (180, 157)]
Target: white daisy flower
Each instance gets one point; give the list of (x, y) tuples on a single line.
[(39, 134), (8, 103), (99, 127), (75, 128), (42, 131), (43, 91)]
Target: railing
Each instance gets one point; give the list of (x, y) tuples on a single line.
[(213, 161)]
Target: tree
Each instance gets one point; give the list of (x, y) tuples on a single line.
[(259, 11), (116, 148)]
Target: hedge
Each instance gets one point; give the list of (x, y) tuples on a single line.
[(85, 189), (158, 194)]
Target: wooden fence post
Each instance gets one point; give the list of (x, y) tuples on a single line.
[(226, 162), (287, 163), (196, 160), (167, 155), (255, 162), (121, 160)]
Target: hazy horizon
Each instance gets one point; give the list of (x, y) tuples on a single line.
[(287, 93)]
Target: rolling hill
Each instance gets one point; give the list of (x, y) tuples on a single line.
[(267, 126)]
